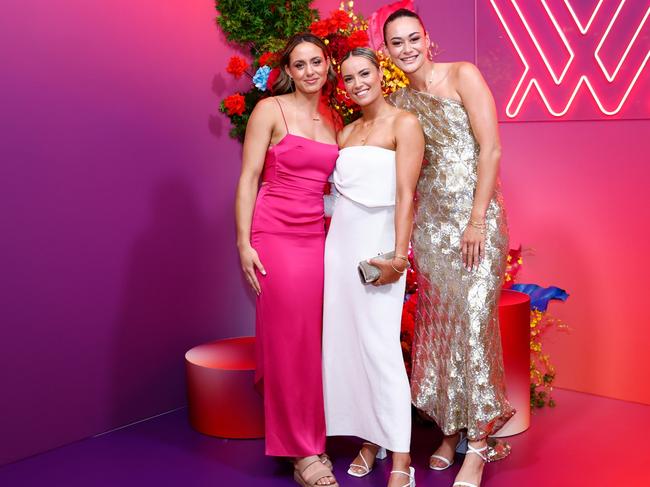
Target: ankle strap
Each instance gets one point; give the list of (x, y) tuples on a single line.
[(477, 451)]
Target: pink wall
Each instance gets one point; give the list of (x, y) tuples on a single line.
[(116, 189), (116, 203), (576, 194)]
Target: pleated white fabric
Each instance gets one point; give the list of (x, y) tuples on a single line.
[(366, 389)]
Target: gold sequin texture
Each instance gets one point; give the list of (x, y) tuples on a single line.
[(457, 376)]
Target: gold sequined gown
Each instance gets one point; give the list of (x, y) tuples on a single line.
[(457, 377)]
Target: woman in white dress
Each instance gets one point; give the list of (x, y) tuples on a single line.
[(366, 388)]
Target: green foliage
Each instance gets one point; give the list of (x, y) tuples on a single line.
[(264, 25)]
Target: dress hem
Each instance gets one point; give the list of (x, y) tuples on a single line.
[(499, 421), (374, 440)]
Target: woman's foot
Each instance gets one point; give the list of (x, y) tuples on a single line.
[(443, 457), (401, 472), (310, 471), (365, 460), (325, 460), (472, 470)]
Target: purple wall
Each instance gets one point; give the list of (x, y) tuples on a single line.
[(116, 213), (116, 188), (116, 203)]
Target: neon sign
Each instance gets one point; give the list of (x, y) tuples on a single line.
[(616, 25)]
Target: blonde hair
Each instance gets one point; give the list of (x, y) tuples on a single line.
[(366, 52)]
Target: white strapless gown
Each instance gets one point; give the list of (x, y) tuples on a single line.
[(366, 389)]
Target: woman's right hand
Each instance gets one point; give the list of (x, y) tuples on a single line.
[(249, 262)]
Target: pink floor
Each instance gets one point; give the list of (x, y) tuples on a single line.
[(585, 441)]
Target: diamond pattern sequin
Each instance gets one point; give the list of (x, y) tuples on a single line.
[(457, 376)]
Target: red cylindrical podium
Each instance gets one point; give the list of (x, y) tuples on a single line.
[(222, 400), (514, 318)]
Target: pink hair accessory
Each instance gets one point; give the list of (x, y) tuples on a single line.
[(377, 19)]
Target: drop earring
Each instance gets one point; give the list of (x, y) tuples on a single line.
[(432, 51)]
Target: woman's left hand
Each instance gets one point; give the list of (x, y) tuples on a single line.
[(472, 247), (388, 271)]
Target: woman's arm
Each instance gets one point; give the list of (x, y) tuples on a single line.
[(259, 131), (409, 141), (478, 101)]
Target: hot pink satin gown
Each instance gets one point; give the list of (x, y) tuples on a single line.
[(288, 234)]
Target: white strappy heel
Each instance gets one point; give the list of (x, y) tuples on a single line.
[(476, 451), (366, 469), (410, 475), (461, 447)]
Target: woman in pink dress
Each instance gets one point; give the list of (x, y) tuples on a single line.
[(290, 146)]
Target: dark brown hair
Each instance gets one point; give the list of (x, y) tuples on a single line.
[(402, 12), (284, 83)]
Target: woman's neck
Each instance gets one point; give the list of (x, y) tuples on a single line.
[(308, 101), (375, 109), (418, 79)]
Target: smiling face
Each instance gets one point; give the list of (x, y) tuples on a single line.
[(308, 67), (362, 79), (406, 43)]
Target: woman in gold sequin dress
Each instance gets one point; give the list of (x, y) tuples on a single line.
[(460, 244)]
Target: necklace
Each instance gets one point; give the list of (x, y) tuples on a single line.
[(430, 81), (364, 139), (315, 118)]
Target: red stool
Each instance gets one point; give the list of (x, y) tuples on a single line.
[(514, 319), (222, 400)]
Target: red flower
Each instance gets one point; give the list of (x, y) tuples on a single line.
[(411, 280), (343, 99), (338, 20), (268, 59), (273, 75), (235, 104), (320, 28), (339, 46), (359, 38), (408, 315), (237, 66)]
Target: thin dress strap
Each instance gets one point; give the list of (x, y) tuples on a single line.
[(282, 112)]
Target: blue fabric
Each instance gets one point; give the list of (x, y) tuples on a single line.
[(540, 296)]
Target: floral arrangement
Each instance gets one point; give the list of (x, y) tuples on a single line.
[(542, 371), (343, 31), (264, 25)]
